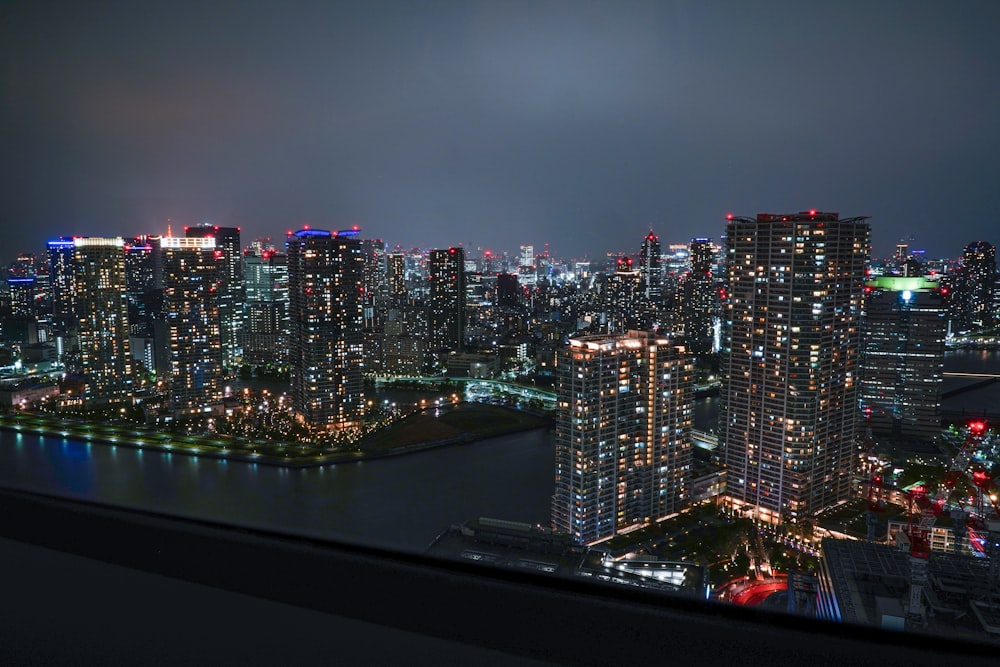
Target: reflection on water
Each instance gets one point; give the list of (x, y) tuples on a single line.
[(399, 502)]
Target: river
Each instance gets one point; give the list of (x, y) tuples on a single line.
[(399, 502)]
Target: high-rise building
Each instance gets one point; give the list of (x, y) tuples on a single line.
[(509, 293), (650, 268), (623, 449), (621, 298), (447, 300), (526, 268), (266, 325), (144, 299), (23, 291), (325, 280), (974, 284), (396, 277), (193, 271), (699, 302), (227, 242), (902, 358), (61, 279), (790, 361), (102, 319)]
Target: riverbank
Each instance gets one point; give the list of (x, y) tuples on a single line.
[(459, 424), (462, 424)]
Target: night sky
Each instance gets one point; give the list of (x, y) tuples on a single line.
[(496, 124)]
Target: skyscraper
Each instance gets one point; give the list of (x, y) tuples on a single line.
[(700, 298), (193, 272), (325, 280), (396, 277), (265, 318), (526, 267), (227, 242), (61, 279), (788, 419), (144, 301), (902, 358), (623, 450), (447, 299), (621, 302), (974, 285), (650, 268), (102, 319)]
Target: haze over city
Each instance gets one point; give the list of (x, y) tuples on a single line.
[(580, 125)]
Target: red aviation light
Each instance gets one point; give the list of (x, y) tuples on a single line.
[(977, 427), (355, 228), (812, 211), (729, 216)]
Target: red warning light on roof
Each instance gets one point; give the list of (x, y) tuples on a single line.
[(977, 426), (729, 216), (812, 211)]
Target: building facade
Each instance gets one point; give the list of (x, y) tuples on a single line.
[(62, 295), (623, 448), (651, 268), (699, 302), (790, 361), (265, 313), (192, 274), (231, 289), (102, 319), (902, 358), (325, 280), (447, 300), (975, 281)]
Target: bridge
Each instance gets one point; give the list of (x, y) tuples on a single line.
[(475, 389)]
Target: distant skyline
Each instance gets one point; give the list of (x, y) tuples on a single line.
[(487, 124)]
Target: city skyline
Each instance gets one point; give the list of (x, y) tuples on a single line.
[(471, 124)]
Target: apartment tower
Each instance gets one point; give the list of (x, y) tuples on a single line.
[(623, 449), (325, 283), (790, 361), (101, 306)]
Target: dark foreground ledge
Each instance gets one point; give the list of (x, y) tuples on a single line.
[(522, 615)]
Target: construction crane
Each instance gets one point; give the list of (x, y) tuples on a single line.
[(924, 511)]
